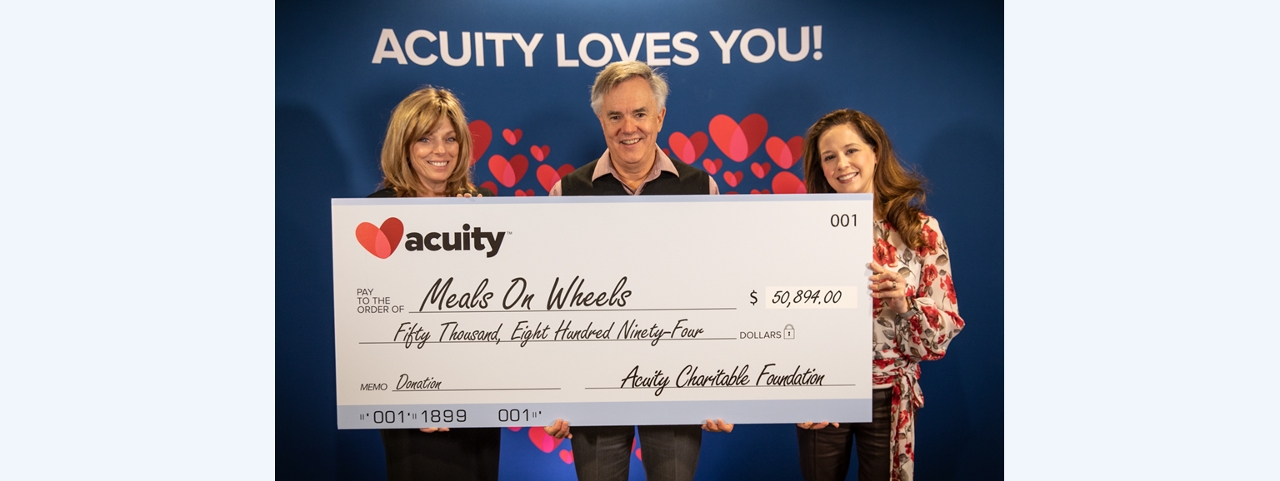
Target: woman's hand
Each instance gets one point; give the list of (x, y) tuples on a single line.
[(434, 430), (889, 286), (816, 426), (559, 429), (717, 426), (468, 195)]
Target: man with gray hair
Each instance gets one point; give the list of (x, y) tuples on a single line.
[(630, 100)]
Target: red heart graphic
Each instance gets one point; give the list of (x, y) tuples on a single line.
[(787, 183), (738, 140), (759, 169), (539, 153), (712, 166), (508, 172), (491, 186), (732, 178), (666, 151), (566, 456), (753, 191), (543, 441), (481, 135), (688, 149), (380, 242), (729, 193), (512, 136), (515, 428), (785, 154), (565, 169), (524, 193), (548, 177)]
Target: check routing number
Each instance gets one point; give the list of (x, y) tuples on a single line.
[(516, 311)]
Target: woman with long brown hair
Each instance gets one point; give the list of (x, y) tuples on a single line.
[(427, 153), (913, 298)]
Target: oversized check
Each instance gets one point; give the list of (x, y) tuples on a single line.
[(516, 311)]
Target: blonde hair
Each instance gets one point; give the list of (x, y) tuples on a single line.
[(414, 117), (899, 193), (618, 72)]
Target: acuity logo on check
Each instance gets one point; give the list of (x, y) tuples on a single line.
[(383, 241)]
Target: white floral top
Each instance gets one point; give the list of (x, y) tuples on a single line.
[(900, 344)]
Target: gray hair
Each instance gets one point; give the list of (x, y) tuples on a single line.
[(618, 72)]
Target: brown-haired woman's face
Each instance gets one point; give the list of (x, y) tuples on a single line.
[(848, 162), (434, 156)]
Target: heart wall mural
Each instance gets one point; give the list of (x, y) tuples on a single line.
[(728, 149)]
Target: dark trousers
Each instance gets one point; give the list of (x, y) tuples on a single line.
[(465, 454), (603, 453), (825, 453)]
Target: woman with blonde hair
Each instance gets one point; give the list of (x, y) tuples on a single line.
[(913, 298), (427, 153)]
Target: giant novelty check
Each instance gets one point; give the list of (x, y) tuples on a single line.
[(516, 311)]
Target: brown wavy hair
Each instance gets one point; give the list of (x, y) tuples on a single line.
[(899, 193), (414, 117)]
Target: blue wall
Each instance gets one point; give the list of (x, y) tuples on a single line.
[(931, 74)]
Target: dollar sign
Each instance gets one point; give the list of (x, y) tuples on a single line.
[(753, 298)]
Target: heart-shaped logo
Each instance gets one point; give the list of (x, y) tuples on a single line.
[(481, 135), (787, 183), (712, 166), (566, 456), (760, 169), (545, 442), (732, 178), (512, 136), (688, 149), (540, 153), (491, 186), (380, 241), (507, 172), (525, 193), (785, 154), (738, 140)]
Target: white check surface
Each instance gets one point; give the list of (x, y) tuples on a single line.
[(667, 287)]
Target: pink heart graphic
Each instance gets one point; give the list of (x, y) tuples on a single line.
[(491, 186), (688, 149), (548, 177), (753, 191), (565, 169), (787, 183), (732, 178), (512, 136), (525, 193), (759, 169), (515, 428), (566, 456), (785, 154), (540, 153), (738, 140), (543, 441), (506, 172), (712, 166), (380, 241), (481, 135)]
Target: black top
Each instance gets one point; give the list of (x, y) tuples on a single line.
[(389, 192), (690, 181)]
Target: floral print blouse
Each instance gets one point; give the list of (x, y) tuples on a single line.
[(898, 345)]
